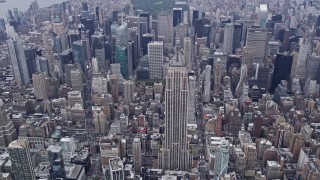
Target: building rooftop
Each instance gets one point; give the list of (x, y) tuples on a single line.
[(54, 149), (19, 143), (263, 7), (116, 164)]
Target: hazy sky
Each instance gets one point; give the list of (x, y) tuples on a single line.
[(23, 5)]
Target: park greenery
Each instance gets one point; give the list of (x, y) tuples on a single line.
[(155, 7)]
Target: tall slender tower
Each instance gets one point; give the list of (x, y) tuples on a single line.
[(137, 155), (155, 54), (187, 47), (114, 87), (165, 28), (175, 153), (128, 92), (228, 38), (18, 60), (217, 76)]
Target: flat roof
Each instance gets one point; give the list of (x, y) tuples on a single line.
[(116, 164), (263, 7)]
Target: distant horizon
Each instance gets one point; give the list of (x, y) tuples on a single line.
[(23, 5)]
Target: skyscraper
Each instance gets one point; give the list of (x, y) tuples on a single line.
[(192, 99), (21, 160), (177, 16), (40, 86), (99, 120), (155, 54), (217, 76), (122, 35), (301, 64), (122, 59), (221, 160), (257, 39), (30, 54), (76, 79), (18, 60), (282, 69), (237, 36), (187, 48), (228, 38), (263, 15), (247, 60), (68, 147), (145, 40), (128, 91), (7, 131), (137, 155), (55, 159), (175, 153), (114, 87), (165, 28), (144, 23), (207, 84), (78, 54), (99, 52)]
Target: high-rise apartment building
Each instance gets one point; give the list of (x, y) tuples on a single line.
[(155, 54), (251, 153), (175, 152), (22, 167), (128, 92), (228, 38), (18, 61), (40, 86), (137, 162), (114, 87)]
